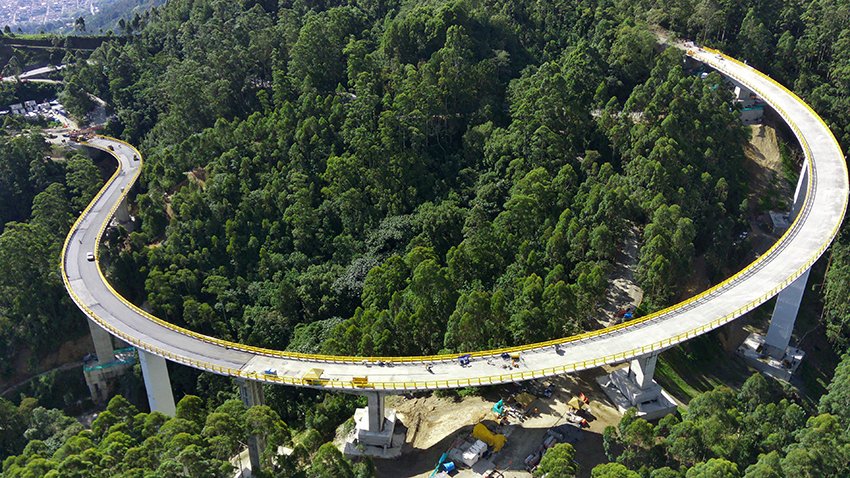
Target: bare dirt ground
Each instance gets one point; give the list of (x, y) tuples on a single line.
[(764, 164), (768, 186), (763, 153), (435, 423), (622, 291)]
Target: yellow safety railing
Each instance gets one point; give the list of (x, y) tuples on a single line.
[(485, 380)]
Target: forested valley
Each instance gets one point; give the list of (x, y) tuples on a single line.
[(439, 178), (387, 177)]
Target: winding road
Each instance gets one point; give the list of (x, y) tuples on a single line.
[(794, 253)]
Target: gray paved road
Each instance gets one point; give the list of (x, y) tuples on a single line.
[(805, 242), (35, 73)]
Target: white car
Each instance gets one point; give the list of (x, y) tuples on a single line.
[(90, 256)]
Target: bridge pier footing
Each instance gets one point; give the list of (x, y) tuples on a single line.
[(375, 432), (252, 395), (100, 374), (634, 387), (157, 383)]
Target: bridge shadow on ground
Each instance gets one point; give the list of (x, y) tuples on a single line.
[(700, 365)]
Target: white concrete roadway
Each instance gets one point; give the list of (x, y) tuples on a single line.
[(821, 216)]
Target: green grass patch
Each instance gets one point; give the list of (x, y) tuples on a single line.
[(666, 375), (698, 366)]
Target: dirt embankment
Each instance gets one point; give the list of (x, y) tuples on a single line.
[(764, 165), (770, 190), (623, 291)]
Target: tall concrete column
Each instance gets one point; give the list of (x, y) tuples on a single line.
[(252, 395), (157, 384), (788, 301), (801, 191), (642, 369), (122, 213), (251, 392), (375, 407), (784, 316), (102, 343)]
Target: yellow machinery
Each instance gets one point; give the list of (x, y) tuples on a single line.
[(481, 432), (313, 376), (576, 404)]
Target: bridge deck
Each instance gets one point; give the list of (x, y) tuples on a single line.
[(795, 252)]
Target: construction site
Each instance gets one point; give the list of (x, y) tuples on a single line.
[(503, 432)]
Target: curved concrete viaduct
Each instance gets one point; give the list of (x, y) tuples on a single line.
[(820, 206)]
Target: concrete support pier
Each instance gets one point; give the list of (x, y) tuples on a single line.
[(772, 354), (641, 371), (157, 383), (376, 412), (102, 343), (252, 395), (122, 214), (110, 364), (784, 317), (634, 387), (375, 431)]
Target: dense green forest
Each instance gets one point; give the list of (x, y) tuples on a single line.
[(39, 198), (197, 442), (497, 204), (120, 16), (398, 177), (11, 93), (759, 431)]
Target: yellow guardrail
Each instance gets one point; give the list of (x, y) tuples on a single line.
[(357, 383)]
